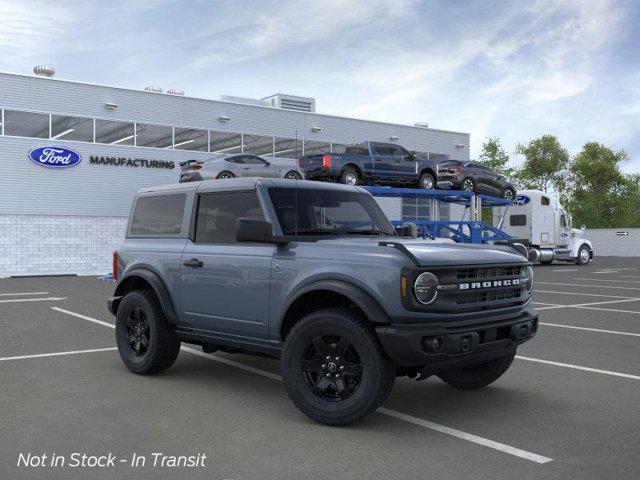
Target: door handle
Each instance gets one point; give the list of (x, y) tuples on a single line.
[(193, 263), (246, 168)]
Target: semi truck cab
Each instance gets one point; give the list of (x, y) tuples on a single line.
[(538, 220)]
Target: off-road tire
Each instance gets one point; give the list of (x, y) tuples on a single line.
[(479, 375), (424, 178), (346, 172), (163, 343), (377, 371)]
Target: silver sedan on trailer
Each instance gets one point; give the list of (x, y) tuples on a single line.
[(242, 165)]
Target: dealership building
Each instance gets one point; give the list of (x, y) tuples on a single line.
[(56, 220)]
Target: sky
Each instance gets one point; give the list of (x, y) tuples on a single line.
[(514, 70)]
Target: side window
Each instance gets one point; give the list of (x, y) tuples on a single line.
[(238, 159), (381, 149), (544, 200), (158, 215), (396, 151), (218, 212), (253, 160), (517, 220), (563, 221)]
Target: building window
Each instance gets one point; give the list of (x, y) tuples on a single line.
[(114, 133), (71, 128), (26, 124), (316, 148), (191, 139), (225, 142), (157, 136), (257, 145), (287, 148)]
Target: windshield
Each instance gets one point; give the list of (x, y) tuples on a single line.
[(305, 211)]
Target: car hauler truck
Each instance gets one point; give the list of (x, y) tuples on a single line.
[(537, 220)]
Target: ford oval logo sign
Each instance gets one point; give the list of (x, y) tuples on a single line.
[(521, 200), (55, 157)]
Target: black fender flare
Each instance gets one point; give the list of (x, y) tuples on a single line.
[(370, 307), (428, 169), (158, 286)]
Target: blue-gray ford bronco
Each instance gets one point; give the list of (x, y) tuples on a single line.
[(314, 274)]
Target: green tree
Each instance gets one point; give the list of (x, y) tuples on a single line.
[(545, 164), (631, 199), (599, 193), (495, 157)]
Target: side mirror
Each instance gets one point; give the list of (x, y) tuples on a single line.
[(408, 229), (583, 227), (253, 230)]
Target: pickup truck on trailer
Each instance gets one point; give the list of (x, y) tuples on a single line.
[(372, 163), (314, 274)]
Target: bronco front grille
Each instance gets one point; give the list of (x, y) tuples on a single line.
[(489, 296), (485, 273)]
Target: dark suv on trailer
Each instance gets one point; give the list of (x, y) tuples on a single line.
[(474, 177), (314, 274)]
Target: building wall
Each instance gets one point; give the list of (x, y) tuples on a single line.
[(69, 220), (608, 243), (58, 244)]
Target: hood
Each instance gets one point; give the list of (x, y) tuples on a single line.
[(438, 253)]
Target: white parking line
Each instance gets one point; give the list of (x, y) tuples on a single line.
[(550, 304), (22, 293), (588, 305), (606, 280), (466, 436), (384, 411), (584, 294), (591, 286), (579, 367), (57, 354), (628, 276), (16, 300), (590, 329), (84, 317), (609, 310)]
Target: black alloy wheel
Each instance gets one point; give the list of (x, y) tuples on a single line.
[(138, 332), (332, 367), (224, 175)]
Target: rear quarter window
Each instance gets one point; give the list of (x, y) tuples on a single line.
[(158, 215)]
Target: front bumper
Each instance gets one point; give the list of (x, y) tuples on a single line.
[(409, 345)]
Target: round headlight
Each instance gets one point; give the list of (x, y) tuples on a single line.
[(529, 274), (426, 288)]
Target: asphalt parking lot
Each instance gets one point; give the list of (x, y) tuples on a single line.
[(568, 408)]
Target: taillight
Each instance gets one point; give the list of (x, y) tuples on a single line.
[(298, 163), (326, 161), (115, 265)]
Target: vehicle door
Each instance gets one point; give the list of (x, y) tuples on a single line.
[(479, 176), (493, 180), (255, 166), (564, 230), (382, 162), (225, 285), (403, 164)]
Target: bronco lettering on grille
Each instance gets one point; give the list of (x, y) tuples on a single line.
[(490, 284)]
